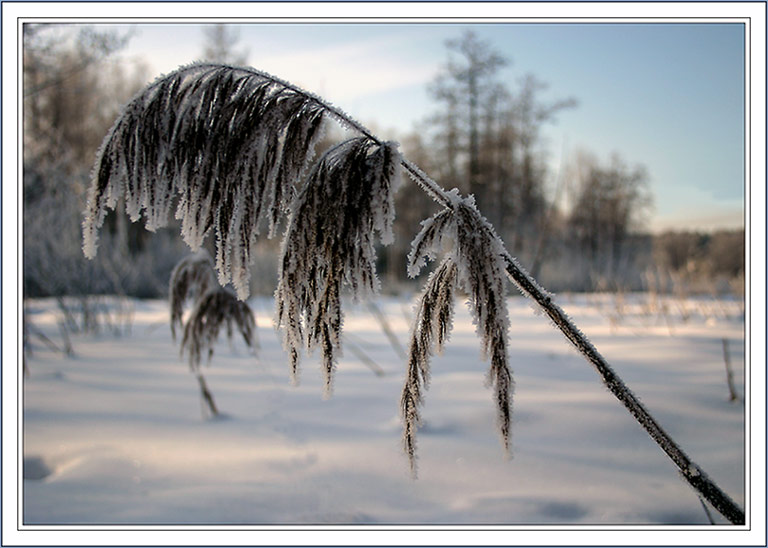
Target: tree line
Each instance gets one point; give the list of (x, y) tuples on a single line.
[(583, 229), (73, 90)]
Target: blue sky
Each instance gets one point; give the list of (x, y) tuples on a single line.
[(668, 96)]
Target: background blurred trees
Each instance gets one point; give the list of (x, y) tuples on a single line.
[(220, 45), (703, 263), (71, 95), (609, 204), (485, 138)]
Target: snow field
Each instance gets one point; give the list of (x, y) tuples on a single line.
[(117, 435)]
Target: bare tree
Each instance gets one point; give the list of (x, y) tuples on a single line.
[(73, 90), (487, 139), (220, 45), (522, 197), (468, 85), (610, 201)]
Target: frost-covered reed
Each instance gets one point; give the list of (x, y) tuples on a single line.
[(216, 309), (474, 263), (346, 199), (231, 148), (193, 280)]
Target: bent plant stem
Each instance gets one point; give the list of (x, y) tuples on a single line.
[(528, 286), (689, 470), (207, 396)]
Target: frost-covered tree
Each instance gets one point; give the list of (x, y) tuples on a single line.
[(230, 150), (72, 92)]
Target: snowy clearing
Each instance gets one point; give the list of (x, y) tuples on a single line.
[(117, 434)]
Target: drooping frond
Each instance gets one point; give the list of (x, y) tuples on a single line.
[(477, 255), (329, 242), (482, 274), (217, 308), (191, 278), (227, 145), (434, 317)]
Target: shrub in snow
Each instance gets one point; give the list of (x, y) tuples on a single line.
[(231, 148)]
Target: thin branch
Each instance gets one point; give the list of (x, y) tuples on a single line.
[(690, 471), (43, 337), (364, 358), (706, 511), (207, 396)]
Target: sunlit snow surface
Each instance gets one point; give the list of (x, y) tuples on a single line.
[(117, 434)]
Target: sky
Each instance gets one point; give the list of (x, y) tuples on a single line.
[(667, 96)]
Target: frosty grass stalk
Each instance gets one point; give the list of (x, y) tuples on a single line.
[(230, 142)]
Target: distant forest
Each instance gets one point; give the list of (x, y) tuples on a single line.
[(583, 229)]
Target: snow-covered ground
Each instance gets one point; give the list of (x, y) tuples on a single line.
[(117, 434)]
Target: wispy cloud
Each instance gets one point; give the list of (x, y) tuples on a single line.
[(343, 72), (342, 69)]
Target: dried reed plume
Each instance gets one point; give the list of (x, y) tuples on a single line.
[(218, 308), (347, 197), (191, 278), (231, 146)]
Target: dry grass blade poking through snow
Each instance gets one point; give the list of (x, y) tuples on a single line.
[(231, 146)]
